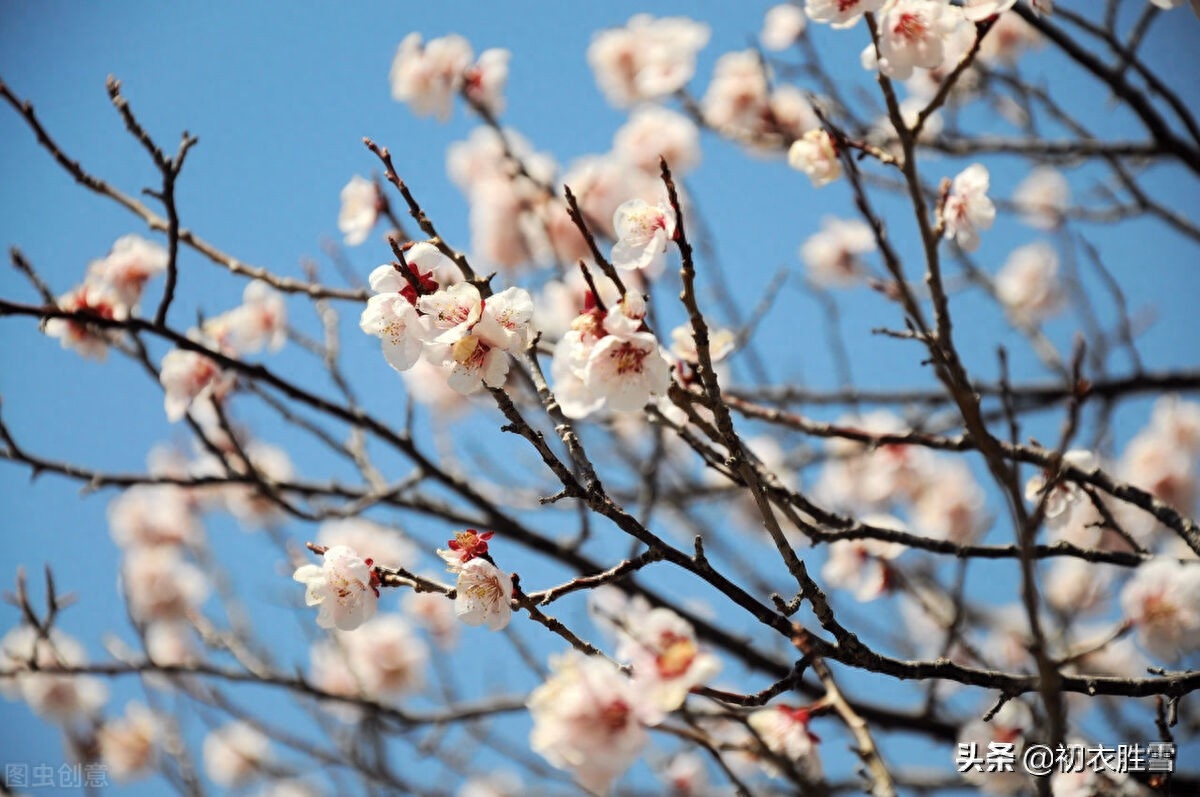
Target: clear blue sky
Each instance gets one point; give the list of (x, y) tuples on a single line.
[(280, 95)]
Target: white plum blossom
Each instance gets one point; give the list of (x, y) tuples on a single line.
[(643, 233), (647, 59), (428, 75), (395, 321), (784, 731), (126, 269), (1065, 494), (260, 321), (127, 746), (840, 13), (1027, 284), (862, 565), (978, 10), (61, 698), (89, 340), (950, 504), (586, 720), (483, 595), (1042, 198), (816, 155), (1162, 600), (172, 643), (360, 209), (654, 132), (833, 256), (484, 82), (384, 544), (782, 25), (913, 33), (666, 658), (452, 311), (435, 614), (159, 584), (343, 585), (627, 370), (738, 96), (383, 659), (235, 753), (1008, 726), (721, 343), (188, 376), (1009, 37), (686, 776), (149, 515), (968, 208)]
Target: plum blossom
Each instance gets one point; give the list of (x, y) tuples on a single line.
[(89, 340), (1042, 198), (1009, 37), (484, 82), (126, 269), (782, 25), (160, 585), (721, 344), (913, 33), (235, 753), (1065, 494), (654, 132), (840, 13), (949, 506), (61, 698), (586, 720), (127, 746), (1169, 4), (833, 256), (497, 783), (1027, 284), (383, 659), (666, 658), (188, 376), (392, 318), (784, 731), (466, 545), (627, 370), (737, 99), (968, 208), (260, 321), (483, 595), (385, 544), (979, 10), (360, 209), (435, 614), (863, 565), (428, 75), (643, 233), (1162, 600), (149, 515), (647, 59), (345, 587), (1009, 725), (816, 155)]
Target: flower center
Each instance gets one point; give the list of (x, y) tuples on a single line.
[(911, 27), (629, 359), (677, 655)]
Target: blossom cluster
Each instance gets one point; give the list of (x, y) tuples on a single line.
[(453, 327)]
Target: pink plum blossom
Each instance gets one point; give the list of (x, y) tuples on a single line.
[(126, 269), (343, 586), (89, 340), (1042, 198), (127, 745)]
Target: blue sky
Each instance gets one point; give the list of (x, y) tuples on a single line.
[(280, 95)]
